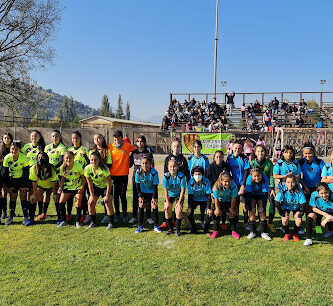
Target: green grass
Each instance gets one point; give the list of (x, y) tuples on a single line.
[(46, 265)]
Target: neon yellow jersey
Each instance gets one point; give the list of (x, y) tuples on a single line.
[(98, 176), (109, 159), (41, 181), (73, 179), (16, 166), (32, 152), (55, 153), (79, 155)]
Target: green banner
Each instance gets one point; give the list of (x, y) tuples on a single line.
[(211, 142)]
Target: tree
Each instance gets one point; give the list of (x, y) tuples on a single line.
[(27, 28), (120, 112), (105, 106), (72, 110), (128, 111), (65, 109)]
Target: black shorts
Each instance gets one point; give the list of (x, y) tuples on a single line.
[(284, 211), (224, 206), (147, 197), (173, 199), (240, 198), (195, 204), (120, 183), (249, 197), (73, 192), (15, 183), (99, 192)]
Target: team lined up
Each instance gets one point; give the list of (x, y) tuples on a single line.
[(36, 171)]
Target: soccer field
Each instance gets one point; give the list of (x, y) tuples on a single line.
[(45, 265)]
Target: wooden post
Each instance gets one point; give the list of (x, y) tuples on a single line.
[(321, 100), (206, 98), (189, 97), (170, 98), (263, 99), (243, 98), (300, 96), (281, 97)]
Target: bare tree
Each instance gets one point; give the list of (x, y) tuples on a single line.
[(27, 29)]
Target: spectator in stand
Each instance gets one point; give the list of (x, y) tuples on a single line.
[(250, 111), (243, 110), (285, 106), (294, 108), (230, 102), (299, 121), (224, 122), (320, 134), (275, 106), (257, 107), (267, 119), (302, 106)]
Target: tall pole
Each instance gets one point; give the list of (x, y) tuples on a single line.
[(216, 39)]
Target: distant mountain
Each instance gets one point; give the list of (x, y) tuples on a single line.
[(55, 100)]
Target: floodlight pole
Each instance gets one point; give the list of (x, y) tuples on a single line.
[(216, 40)]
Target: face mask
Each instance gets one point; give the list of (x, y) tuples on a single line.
[(197, 177)]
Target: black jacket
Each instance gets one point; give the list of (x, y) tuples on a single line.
[(214, 171), (182, 162)]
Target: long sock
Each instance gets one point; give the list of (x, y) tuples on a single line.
[(70, 206), (105, 212), (330, 226), (178, 223), (216, 224), (270, 219), (155, 216), (111, 219), (224, 217), (252, 226), (78, 213), (318, 220), (57, 206), (263, 226), (286, 229), (45, 207), (296, 229), (2, 205), (169, 222), (191, 219), (25, 207), (5, 206), (40, 207), (12, 207), (309, 227), (207, 223), (93, 219), (141, 215), (246, 217), (32, 211), (233, 224), (84, 206), (62, 211)]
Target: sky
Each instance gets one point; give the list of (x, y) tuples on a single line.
[(146, 49)]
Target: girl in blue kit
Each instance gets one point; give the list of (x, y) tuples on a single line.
[(197, 159), (291, 199), (327, 173), (199, 194), (286, 165), (257, 189), (146, 184), (225, 193), (174, 185), (322, 205), (239, 165), (311, 167)]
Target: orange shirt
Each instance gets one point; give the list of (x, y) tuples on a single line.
[(120, 158)]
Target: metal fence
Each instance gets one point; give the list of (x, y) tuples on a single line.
[(15, 121)]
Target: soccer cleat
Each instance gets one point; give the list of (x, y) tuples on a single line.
[(318, 229), (235, 235), (295, 238), (286, 237), (9, 221), (132, 220), (164, 225), (125, 219), (170, 232), (78, 225), (178, 234), (266, 237), (87, 219), (307, 242), (41, 217), (110, 226), (58, 222), (83, 217), (157, 229), (30, 222), (105, 220), (246, 226), (193, 231), (68, 217), (301, 231), (150, 221), (251, 236), (62, 224), (139, 230), (223, 227), (91, 225), (116, 218), (25, 220), (3, 216), (214, 235), (271, 227), (328, 235), (202, 224)]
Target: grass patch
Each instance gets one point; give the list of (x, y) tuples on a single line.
[(45, 265)]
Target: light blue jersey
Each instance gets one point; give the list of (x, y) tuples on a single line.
[(290, 200), (147, 180), (226, 195), (174, 184), (257, 188), (200, 192), (328, 171), (201, 161), (318, 202)]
